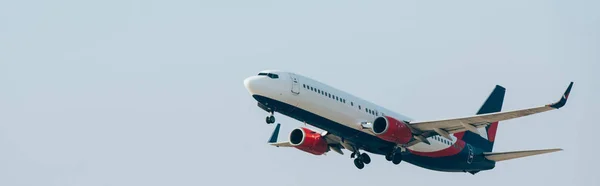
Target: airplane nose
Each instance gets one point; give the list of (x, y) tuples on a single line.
[(251, 84)]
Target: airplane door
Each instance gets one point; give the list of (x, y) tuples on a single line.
[(295, 84)]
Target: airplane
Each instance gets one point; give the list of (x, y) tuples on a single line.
[(462, 144)]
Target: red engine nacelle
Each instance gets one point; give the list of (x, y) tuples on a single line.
[(392, 130), (308, 141)]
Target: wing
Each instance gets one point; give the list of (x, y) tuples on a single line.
[(471, 123)]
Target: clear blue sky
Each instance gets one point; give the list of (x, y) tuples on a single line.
[(150, 92)]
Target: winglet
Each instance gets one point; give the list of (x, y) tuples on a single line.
[(563, 99), (275, 134)]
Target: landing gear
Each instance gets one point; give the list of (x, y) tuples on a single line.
[(364, 157), (397, 159), (389, 157), (270, 119), (359, 164), (360, 159)]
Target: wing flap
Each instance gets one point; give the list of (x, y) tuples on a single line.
[(501, 156)]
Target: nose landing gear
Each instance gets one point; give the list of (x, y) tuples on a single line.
[(270, 119)]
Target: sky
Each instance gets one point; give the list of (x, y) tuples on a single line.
[(130, 92)]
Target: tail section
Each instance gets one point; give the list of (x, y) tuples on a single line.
[(501, 156), (486, 137)]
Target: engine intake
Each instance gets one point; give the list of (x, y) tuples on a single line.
[(392, 130), (308, 141)]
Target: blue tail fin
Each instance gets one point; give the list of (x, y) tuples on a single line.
[(492, 104)]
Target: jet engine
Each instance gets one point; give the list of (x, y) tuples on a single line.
[(392, 130), (308, 141)]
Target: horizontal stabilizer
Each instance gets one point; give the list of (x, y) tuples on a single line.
[(273, 139), (275, 134), (282, 144), (501, 156)]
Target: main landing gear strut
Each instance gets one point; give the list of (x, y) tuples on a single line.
[(270, 119), (360, 159), (395, 157)]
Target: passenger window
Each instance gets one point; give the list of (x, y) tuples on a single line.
[(359, 107), (351, 103)]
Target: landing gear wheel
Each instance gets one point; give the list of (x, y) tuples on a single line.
[(397, 159), (359, 164), (270, 119), (389, 157), (364, 157)]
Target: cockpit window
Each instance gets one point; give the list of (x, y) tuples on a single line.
[(270, 75)]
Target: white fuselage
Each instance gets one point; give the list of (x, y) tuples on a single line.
[(331, 103)]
